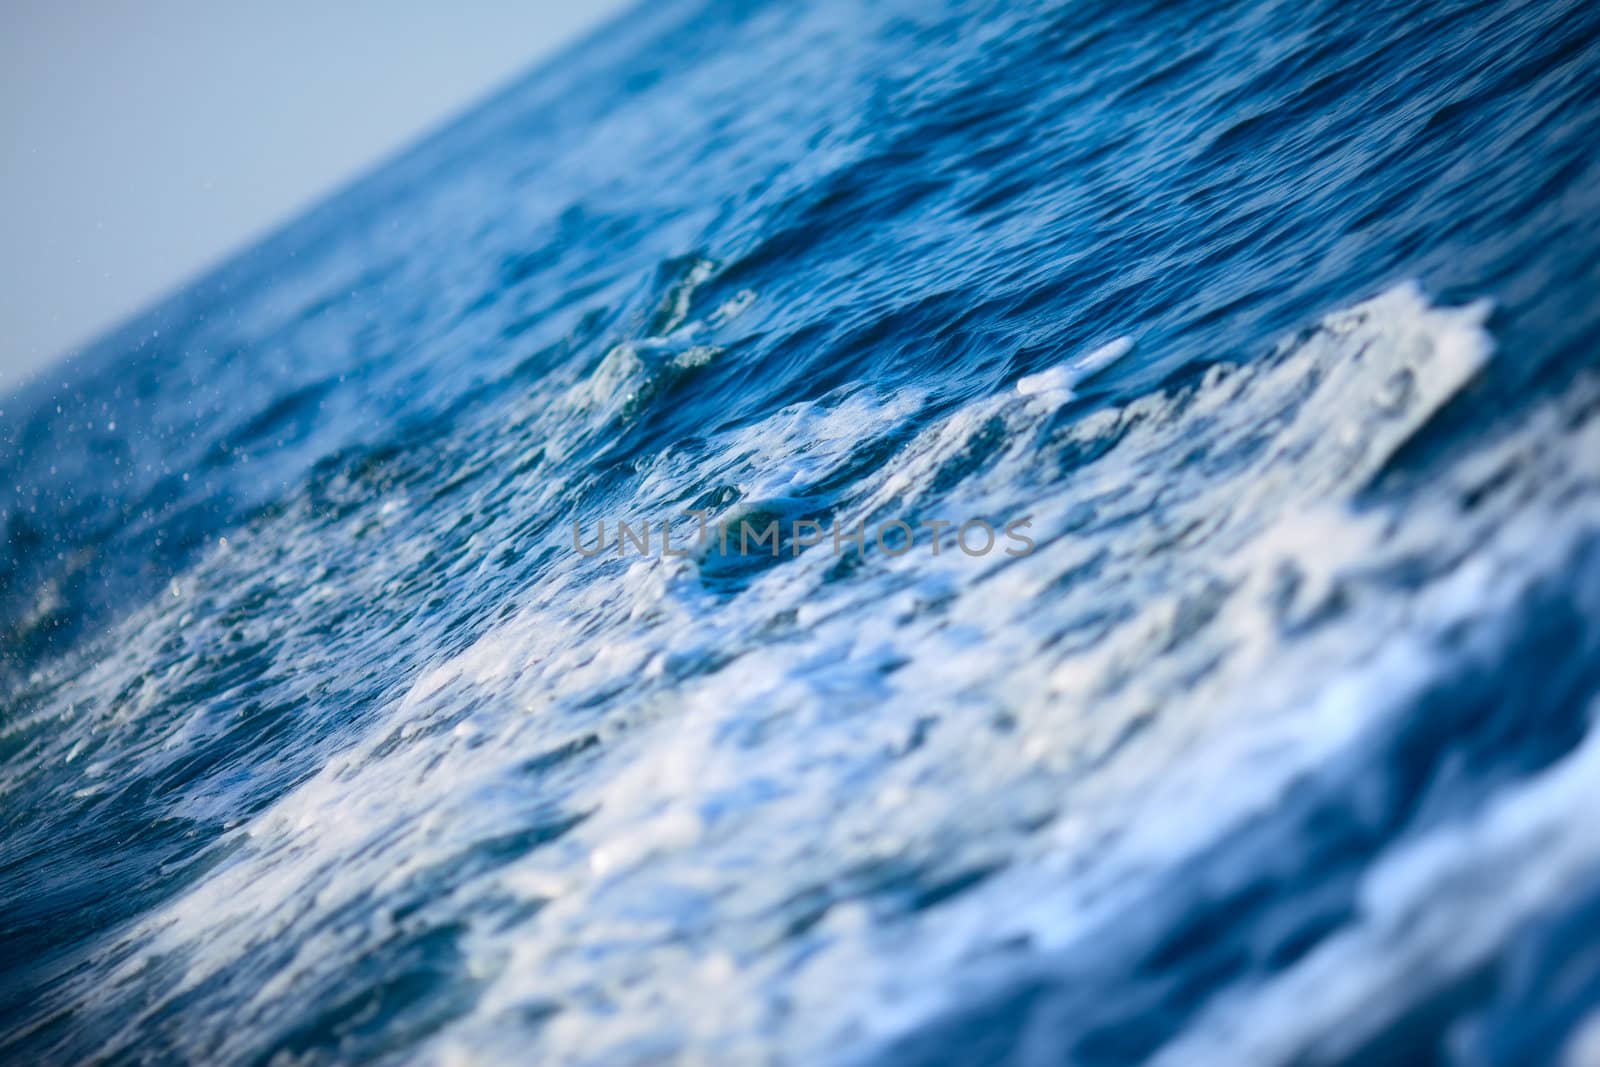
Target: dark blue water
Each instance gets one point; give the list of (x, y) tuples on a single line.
[(1276, 324)]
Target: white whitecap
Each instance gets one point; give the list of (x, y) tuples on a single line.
[(1064, 377)]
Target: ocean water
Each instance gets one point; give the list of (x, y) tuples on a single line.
[(324, 740)]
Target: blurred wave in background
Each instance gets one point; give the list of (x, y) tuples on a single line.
[(320, 743)]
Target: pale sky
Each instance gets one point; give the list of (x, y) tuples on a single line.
[(144, 140)]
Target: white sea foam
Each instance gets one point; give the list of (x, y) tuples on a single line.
[(765, 777), (1063, 378)]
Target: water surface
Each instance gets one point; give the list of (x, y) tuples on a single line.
[(321, 743)]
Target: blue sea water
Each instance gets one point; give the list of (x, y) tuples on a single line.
[(1279, 322)]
